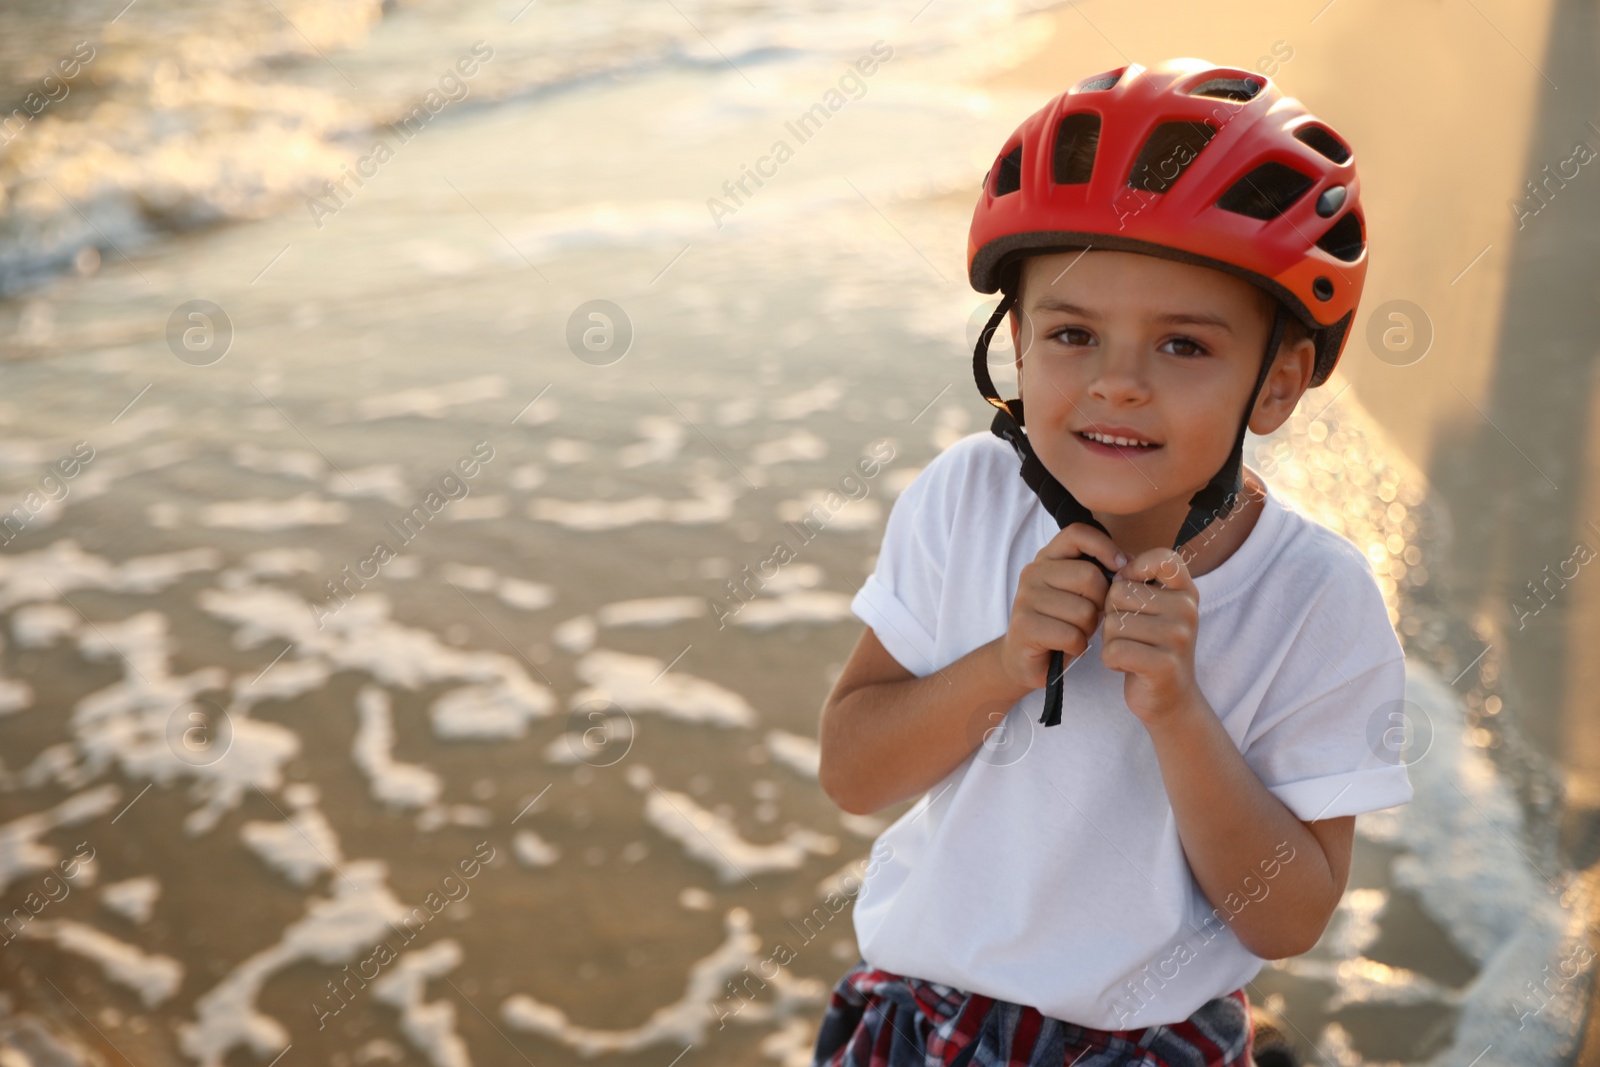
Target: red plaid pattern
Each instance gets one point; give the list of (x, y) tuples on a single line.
[(879, 1019)]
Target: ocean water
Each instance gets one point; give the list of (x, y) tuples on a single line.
[(390, 674)]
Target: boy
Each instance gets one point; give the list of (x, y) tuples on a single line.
[(1112, 885)]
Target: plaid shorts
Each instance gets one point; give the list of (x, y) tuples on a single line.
[(879, 1019)]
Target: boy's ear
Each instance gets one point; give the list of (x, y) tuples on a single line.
[(1286, 383)]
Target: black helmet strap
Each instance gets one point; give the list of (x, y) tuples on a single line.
[(1214, 500)]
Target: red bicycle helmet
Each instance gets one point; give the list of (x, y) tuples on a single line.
[(1189, 161)]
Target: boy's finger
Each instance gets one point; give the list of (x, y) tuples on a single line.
[(1080, 539), (1070, 607), (1162, 566), (1075, 573), (1129, 596)]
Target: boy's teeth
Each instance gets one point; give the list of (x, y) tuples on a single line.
[(1104, 439)]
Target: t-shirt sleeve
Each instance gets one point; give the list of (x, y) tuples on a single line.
[(900, 598), (1325, 739)]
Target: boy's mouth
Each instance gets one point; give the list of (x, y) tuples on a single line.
[(1115, 444)]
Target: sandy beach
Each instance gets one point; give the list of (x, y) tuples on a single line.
[(482, 583)]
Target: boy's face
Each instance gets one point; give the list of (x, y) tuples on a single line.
[(1166, 351)]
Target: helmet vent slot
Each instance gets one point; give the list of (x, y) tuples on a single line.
[(1323, 141), (1008, 173), (1102, 81), (1266, 192), (1343, 239), (1076, 140), (1228, 89), (1168, 153)]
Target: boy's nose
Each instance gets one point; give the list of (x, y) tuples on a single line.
[(1119, 374)]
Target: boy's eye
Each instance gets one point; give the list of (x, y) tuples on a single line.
[(1070, 335), (1195, 347)]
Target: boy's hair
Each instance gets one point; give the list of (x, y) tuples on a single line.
[(1294, 330)]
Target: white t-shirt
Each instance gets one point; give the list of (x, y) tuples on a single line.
[(1046, 868)]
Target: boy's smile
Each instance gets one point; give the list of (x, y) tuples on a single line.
[(1134, 371)]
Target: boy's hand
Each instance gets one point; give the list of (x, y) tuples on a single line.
[(1150, 634), (1059, 603)]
